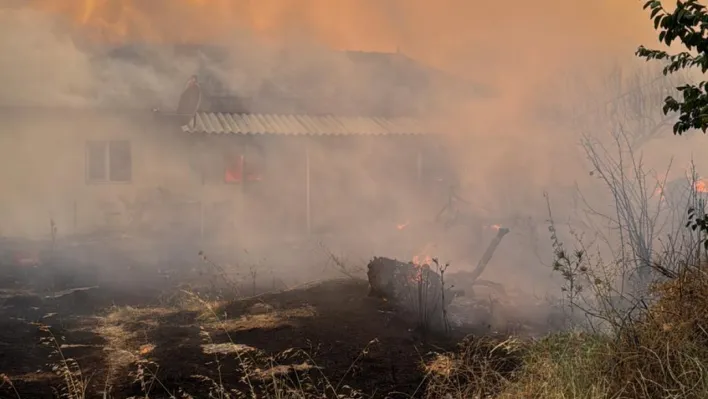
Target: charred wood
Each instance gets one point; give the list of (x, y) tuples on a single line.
[(487, 256), (413, 289)]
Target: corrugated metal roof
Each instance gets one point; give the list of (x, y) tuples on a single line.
[(251, 124)]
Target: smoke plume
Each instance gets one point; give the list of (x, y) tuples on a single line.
[(531, 58)]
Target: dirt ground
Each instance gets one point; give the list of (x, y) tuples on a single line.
[(126, 329), (162, 339)]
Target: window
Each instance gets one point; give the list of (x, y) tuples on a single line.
[(108, 161)]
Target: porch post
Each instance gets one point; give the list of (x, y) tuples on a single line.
[(201, 211), (419, 165), (308, 210), (202, 181)]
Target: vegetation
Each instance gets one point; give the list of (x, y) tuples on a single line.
[(686, 25)]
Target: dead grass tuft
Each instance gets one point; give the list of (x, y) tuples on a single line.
[(564, 365), (481, 368)]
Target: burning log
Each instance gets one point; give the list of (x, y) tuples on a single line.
[(484, 261), (469, 279), (414, 289)]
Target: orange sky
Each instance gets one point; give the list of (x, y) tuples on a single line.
[(518, 47), (454, 33)]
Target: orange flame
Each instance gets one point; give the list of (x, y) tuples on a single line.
[(427, 260), (422, 258), (660, 192), (701, 186), (420, 266), (402, 225), (493, 226)]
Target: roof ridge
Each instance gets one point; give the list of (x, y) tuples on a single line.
[(302, 124)]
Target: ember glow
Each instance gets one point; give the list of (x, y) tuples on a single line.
[(495, 227), (27, 259), (402, 225), (422, 260), (421, 263), (423, 257), (701, 186)]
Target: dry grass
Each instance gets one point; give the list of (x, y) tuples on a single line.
[(481, 368), (664, 354), (567, 365)]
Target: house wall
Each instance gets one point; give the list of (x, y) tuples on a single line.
[(43, 156), (269, 198), (358, 183), (180, 176), (354, 183)]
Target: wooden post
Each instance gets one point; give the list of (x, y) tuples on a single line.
[(201, 218), (308, 215), (243, 199), (76, 218), (201, 201), (419, 165)]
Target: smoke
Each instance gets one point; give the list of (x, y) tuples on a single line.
[(518, 48), (507, 150)]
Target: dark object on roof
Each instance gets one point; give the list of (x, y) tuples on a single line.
[(191, 98)]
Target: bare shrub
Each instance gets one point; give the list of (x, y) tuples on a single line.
[(221, 275), (637, 216), (638, 238), (341, 264)]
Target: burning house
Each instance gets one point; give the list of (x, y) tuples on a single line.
[(297, 153)]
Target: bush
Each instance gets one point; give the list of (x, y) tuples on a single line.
[(664, 354)]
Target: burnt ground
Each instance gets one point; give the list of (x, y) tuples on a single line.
[(164, 339), (138, 330)]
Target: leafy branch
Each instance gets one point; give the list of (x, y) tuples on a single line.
[(687, 24)]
